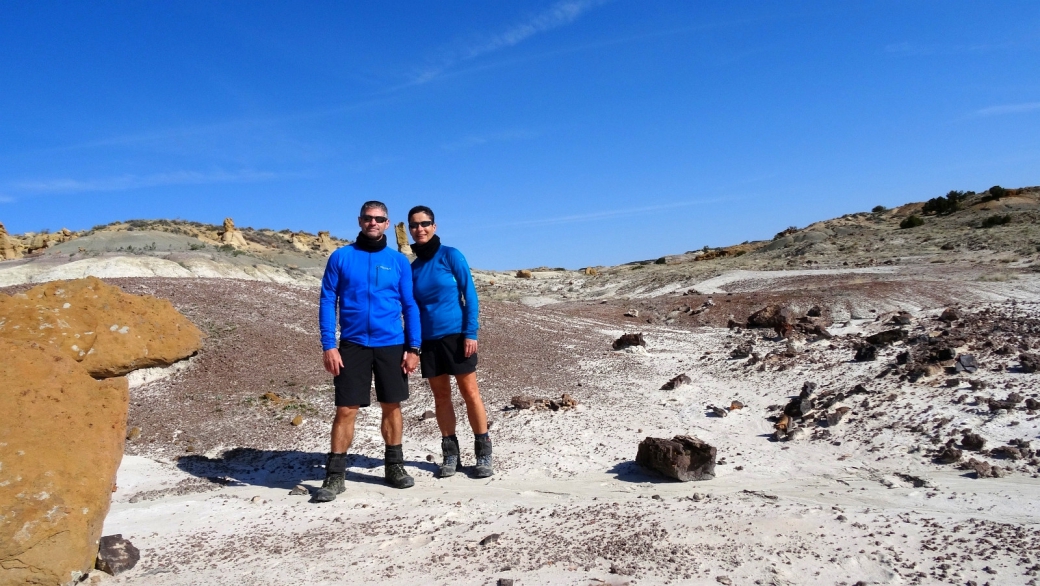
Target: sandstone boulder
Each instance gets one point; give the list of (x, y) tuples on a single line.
[(61, 441), (232, 236), (10, 248), (402, 240), (297, 241), (683, 457), (109, 332), (325, 243)]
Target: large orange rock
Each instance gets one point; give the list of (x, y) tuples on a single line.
[(61, 441), (10, 248), (109, 332)]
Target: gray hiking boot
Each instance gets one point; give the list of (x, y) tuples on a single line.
[(482, 447), (450, 449), (394, 468), (335, 474)]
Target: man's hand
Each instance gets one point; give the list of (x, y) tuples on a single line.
[(333, 361), (409, 362), (470, 347)]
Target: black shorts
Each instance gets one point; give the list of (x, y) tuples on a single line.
[(354, 382), (446, 355)]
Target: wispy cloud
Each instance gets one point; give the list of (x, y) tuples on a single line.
[(126, 182), (558, 15), (477, 140), (920, 49), (6, 199), (605, 214), (1008, 109)]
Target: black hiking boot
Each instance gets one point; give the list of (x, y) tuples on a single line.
[(394, 465), (450, 449), (482, 447), (335, 474)]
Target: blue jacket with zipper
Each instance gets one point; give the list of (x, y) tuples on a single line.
[(372, 291), (446, 296)]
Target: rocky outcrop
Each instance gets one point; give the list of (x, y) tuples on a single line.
[(232, 236), (61, 441), (683, 457), (402, 240), (109, 332), (10, 248), (324, 243), (297, 241)]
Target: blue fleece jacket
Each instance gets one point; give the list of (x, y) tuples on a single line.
[(446, 296), (373, 290)]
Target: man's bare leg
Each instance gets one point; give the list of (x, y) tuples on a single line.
[(393, 424), (343, 429)]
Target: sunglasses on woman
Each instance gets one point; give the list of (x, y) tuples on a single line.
[(424, 224)]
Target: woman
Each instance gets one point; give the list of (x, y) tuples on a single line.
[(447, 299)]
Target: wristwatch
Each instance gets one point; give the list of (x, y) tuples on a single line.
[(413, 350)]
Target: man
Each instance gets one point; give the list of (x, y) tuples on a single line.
[(371, 286)]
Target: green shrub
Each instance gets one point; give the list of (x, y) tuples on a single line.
[(911, 221), (879, 210), (996, 220), (944, 205)]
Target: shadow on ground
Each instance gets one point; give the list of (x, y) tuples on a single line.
[(631, 472), (282, 468)]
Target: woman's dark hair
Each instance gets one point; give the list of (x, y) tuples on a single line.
[(421, 210)]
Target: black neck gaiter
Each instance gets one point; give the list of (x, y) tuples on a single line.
[(426, 251), (370, 244)]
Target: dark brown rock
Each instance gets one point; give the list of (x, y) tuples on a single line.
[(948, 454), (116, 555), (1029, 363), (627, 340), (676, 382), (949, 315), (683, 457), (887, 337), (741, 351), (522, 401), (866, 353), (973, 442), (966, 363)]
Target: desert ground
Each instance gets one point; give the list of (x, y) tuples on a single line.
[(894, 490)]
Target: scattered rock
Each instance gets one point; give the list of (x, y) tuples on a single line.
[(632, 313), (522, 401), (429, 414), (490, 539), (973, 442), (298, 490), (741, 351), (134, 433), (735, 405), (621, 570), (297, 421), (524, 274), (814, 311), (1029, 363), (835, 417), (866, 353), (116, 555), (902, 357), (887, 337), (676, 382), (976, 384), (808, 388), (799, 407), (983, 469), (901, 319), (949, 454), (683, 457), (718, 411), (628, 340), (529, 402), (505, 582), (966, 363), (1008, 452), (949, 315), (723, 580)]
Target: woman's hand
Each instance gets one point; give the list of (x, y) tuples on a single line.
[(470, 347)]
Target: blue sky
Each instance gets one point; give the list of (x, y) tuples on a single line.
[(566, 133)]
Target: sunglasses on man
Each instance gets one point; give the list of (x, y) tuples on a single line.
[(377, 219)]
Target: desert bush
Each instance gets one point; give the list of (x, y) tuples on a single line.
[(198, 246), (879, 210), (996, 220), (944, 205), (661, 261), (785, 232), (911, 221)]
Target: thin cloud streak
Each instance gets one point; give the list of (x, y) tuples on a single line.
[(1008, 109), (477, 140), (604, 214), (127, 182), (7, 199), (560, 14)]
